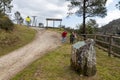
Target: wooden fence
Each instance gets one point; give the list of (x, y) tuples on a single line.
[(110, 43)]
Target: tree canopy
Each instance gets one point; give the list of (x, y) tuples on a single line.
[(5, 5), (91, 27), (18, 17), (118, 5), (88, 8), (5, 22), (92, 7)]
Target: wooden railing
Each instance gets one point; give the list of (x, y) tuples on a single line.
[(109, 43)]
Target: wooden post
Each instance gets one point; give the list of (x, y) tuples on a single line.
[(94, 37), (110, 46), (84, 17), (46, 23), (86, 37), (60, 24), (53, 23)]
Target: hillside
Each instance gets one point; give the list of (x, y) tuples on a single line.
[(11, 40), (112, 27)]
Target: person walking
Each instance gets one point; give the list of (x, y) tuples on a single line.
[(28, 21), (64, 35), (72, 38)]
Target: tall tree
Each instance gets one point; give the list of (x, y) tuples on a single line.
[(5, 5), (18, 17), (88, 8)]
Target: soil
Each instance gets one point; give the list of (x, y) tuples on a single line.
[(17, 60)]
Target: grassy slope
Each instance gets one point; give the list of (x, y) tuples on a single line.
[(10, 41), (56, 66)]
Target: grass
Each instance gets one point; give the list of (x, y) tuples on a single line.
[(55, 65), (15, 39), (108, 68)]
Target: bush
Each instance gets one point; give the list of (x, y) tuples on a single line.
[(6, 23)]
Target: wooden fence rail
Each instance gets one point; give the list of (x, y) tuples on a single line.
[(107, 40)]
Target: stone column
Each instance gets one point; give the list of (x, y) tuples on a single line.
[(83, 58)]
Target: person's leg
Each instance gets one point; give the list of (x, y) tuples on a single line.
[(27, 23), (70, 40), (62, 39)]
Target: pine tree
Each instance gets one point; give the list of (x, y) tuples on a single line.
[(88, 8), (5, 5), (18, 17), (92, 7)]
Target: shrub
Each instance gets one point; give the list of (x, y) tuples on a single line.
[(6, 23)]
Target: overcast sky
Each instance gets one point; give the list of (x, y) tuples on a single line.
[(58, 9)]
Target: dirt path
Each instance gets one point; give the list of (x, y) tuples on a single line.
[(17, 60)]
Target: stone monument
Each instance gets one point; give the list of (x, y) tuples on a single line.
[(83, 57)]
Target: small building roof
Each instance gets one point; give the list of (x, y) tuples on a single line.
[(53, 19)]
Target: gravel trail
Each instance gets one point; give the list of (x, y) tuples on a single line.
[(17, 60)]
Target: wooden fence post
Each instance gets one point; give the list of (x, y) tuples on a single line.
[(110, 46), (94, 37)]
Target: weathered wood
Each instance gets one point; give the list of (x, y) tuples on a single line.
[(102, 42), (110, 42), (53, 19), (110, 45), (83, 58)]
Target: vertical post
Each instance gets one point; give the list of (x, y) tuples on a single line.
[(53, 23), (36, 23), (60, 23), (34, 20), (46, 23), (110, 46), (94, 37), (84, 26)]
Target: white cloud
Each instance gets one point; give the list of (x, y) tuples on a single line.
[(114, 14), (41, 8), (58, 9), (109, 2)]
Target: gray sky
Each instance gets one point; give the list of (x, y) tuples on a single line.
[(41, 8), (58, 9)]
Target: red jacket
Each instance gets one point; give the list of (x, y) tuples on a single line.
[(64, 34)]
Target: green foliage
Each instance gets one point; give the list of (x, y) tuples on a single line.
[(92, 7), (88, 8), (5, 5), (6, 23), (91, 27), (18, 18)]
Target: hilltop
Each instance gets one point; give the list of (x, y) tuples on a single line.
[(112, 27)]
